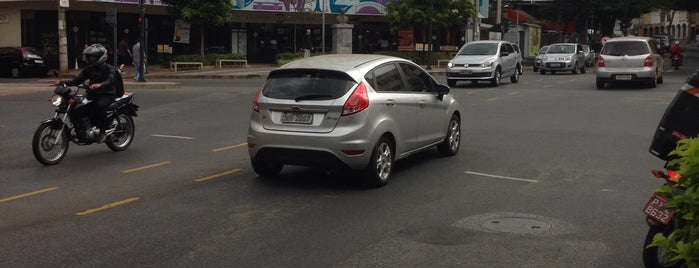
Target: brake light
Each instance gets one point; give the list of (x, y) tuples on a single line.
[(357, 102), (22, 51), (648, 62), (255, 106), (600, 61)]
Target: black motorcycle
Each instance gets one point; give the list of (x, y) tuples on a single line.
[(51, 139)]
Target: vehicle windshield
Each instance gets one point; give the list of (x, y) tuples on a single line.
[(628, 48), (543, 50), (479, 49), (307, 84), (561, 49)]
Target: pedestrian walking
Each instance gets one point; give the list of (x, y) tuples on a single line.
[(307, 44), (136, 50)]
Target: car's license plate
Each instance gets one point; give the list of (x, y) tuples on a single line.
[(623, 77), (654, 208), (466, 71), (297, 118)]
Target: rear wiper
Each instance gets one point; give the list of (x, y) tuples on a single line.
[(313, 97)]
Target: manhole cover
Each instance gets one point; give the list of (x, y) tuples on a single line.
[(515, 225)]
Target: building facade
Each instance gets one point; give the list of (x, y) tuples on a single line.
[(681, 25)]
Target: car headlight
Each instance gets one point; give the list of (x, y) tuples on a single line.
[(487, 64), (56, 100), (450, 64), (567, 58), (546, 58)]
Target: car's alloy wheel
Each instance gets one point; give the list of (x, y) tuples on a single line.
[(15, 72), (515, 77), (496, 77), (380, 164), (452, 141)]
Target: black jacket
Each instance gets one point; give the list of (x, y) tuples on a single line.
[(97, 74)]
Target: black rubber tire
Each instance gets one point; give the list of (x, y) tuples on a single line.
[(123, 134), (600, 84), (452, 141), (380, 167), (651, 254), (42, 142), (496, 77), (542, 72), (515, 77), (266, 169), (451, 83), (15, 72)]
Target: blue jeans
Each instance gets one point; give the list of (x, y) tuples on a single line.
[(138, 72)]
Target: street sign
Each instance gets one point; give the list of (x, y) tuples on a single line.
[(604, 39)]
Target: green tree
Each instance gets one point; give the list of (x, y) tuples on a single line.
[(215, 12), (444, 13)]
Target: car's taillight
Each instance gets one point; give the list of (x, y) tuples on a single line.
[(600, 61), (255, 106), (22, 51), (357, 102), (648, 62)]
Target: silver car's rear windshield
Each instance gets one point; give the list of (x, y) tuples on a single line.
[(561, 49), (479, 49), (628, 48), (307, 84)]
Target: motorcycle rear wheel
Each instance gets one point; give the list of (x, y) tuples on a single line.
[(655, 256), (123, 134), (44, 146)]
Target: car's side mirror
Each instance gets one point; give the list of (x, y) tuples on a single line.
[(441, 90)]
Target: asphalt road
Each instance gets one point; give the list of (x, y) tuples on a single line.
[(552, 173)]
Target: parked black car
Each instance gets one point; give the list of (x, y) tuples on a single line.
[(21, 61)]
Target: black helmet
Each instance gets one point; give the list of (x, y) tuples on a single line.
[(96, 50)]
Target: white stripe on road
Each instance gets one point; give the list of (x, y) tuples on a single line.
[(174, 137), (499, 177)]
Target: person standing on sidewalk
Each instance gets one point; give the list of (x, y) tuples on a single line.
[(136, 50), (307, 44)]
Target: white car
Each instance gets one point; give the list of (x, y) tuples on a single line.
[(630, 59), (486, 60)]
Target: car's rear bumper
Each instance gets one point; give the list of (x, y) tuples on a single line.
[(636, 73)]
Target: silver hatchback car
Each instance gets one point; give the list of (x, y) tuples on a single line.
[(630, 59), (486, 60), (360, 112), (563, 57)]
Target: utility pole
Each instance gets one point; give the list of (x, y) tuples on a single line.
[(498, 18), (62, 37)]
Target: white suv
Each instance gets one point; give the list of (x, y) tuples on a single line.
[(485, 61)]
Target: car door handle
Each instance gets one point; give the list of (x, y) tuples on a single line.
[(422, 104), (390, 103)]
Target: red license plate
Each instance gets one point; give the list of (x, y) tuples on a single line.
[(655, 209)]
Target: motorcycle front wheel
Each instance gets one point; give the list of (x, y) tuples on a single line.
[(123, 134), (50, 144), (656, 256)]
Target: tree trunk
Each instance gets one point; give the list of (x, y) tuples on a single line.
[(201, 39)]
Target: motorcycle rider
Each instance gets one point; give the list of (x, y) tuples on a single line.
[(677, 50), (101, 89)]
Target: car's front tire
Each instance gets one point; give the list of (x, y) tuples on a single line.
[(497, 76), (452, 141), (380, 166), (451, 83)]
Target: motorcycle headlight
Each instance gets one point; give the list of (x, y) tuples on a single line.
[(56, 100)]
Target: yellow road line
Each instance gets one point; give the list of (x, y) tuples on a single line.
[(229, 147), (107, 206), (146, 167), (217, 175), (28, 194)]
